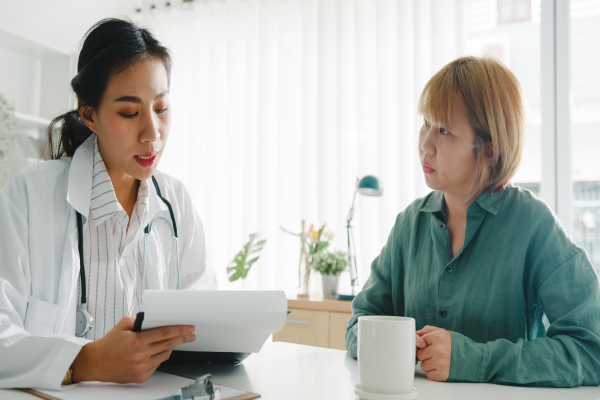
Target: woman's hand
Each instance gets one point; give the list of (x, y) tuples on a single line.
[(420, 344), (124, 356), (435, 358)]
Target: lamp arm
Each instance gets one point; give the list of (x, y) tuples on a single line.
[(351, 212), (349, 234), (350, 257)]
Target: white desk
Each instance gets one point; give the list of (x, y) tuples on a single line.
[(284, 371)]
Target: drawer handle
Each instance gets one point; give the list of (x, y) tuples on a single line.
[(298, 321)]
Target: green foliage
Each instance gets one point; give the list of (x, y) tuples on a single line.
[(317, 247), (330, 263), (243, 260)]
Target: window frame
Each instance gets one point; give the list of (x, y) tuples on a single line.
[(556, 187)]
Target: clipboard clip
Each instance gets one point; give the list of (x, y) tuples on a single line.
[(200, 389)]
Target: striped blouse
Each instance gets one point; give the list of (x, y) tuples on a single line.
[(112, 259)]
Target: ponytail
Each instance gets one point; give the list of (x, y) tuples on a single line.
[(65, 134)]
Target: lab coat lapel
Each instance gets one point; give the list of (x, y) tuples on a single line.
[(67, 292), (79, 192), (78, 195)]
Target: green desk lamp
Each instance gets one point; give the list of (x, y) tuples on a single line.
[(369, 185)]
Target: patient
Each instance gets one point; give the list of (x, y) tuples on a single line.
[(478, 262)]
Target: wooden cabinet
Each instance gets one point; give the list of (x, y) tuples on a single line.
[(316, 322)]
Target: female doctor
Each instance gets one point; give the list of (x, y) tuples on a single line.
[(83, 235)]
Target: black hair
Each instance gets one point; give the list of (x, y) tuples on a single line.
[(110, 46)]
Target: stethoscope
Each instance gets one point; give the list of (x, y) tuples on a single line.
[(85, 321)]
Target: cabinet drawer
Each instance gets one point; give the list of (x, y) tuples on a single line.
[(305, 327), (337, 329)]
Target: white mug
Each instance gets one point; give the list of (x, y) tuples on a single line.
[(386, 354)]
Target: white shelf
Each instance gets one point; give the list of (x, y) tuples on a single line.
[(24, 45), (31, 119), (31, 125)]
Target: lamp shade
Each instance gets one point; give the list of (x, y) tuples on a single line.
[(370, 185)]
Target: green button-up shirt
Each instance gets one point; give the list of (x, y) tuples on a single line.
[(517, 264)]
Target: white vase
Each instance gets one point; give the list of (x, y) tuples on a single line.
[(330, 284)]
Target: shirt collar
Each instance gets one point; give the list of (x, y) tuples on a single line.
[(81, 181), (103, 202), (488, 201), (435, 202)]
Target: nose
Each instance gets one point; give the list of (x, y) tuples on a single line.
[(427, 140), (151, 129)]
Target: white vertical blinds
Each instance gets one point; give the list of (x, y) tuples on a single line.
[(279, 105)]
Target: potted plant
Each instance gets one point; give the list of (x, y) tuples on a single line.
[(330, 265)]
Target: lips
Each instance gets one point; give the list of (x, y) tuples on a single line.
[(146, 160), (427, 168)]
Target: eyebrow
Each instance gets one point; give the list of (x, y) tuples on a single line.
[(134, 99)]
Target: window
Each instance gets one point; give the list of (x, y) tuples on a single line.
[(488, 32), (585, 125), (510, 11)]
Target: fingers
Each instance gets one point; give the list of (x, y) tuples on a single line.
[(420, 342), (425, 354), (430, 337), (426, 329), (427, 366), (126, 323), (170, 344), (435, 375), (166, 333), (161, 357)]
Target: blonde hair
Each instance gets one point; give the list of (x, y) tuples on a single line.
[(493, 102)]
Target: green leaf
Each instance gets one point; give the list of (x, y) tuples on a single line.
[(240, 265), (323, 245), (249, 263), (235, 276), (261, 243)]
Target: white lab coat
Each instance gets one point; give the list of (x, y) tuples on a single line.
[(39, 263)]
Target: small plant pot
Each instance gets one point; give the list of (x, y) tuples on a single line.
[(330, 285)]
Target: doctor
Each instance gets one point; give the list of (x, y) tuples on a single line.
[(69, 293)]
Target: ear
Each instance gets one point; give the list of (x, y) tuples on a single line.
[(87, 115)]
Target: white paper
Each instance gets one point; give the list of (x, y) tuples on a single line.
[(225, 321), (159, 385)]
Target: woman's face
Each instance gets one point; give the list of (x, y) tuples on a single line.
[(133, 120), (448, 157)]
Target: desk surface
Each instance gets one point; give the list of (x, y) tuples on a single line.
[(293, 372)]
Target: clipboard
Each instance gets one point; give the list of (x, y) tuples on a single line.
[(33, 392), (193, 357)]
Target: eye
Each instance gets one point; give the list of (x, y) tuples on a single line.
[(443, 131), (425, 122), (161, 110), (129, 115)]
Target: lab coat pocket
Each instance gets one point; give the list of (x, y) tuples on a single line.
[(40, 316)]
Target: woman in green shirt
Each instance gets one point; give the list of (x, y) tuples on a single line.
[(478, 262)]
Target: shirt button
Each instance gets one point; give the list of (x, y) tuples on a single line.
[(442, 226), (122, 262), (443, 313), (449, 268)]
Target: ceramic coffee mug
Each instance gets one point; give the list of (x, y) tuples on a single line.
[(386, 354)]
